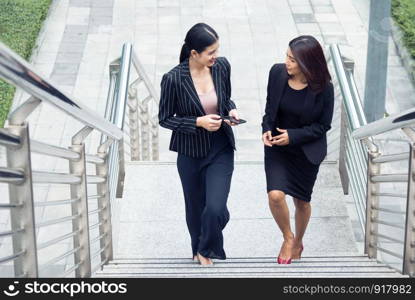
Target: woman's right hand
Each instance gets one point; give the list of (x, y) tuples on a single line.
[(210, 122), (267, 138)]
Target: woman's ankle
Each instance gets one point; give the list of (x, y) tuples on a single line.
[(298, 242), (289, 237)]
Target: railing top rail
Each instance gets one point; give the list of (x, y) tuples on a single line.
[(396, 121), (351, 97), (117, 112), (16, 71), (140, 69)]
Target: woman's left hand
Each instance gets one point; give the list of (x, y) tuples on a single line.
[(281, 139), (232, 113)]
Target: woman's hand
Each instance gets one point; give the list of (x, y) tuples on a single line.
[(210, 122), (267, 138), (232, 113), (281, 139)]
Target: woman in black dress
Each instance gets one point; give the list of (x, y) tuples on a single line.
[(195, 95), (298, 113)]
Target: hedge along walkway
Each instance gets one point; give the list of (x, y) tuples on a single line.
[(20, 23), (403, 12)]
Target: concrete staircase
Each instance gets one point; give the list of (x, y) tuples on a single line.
[(311, 266), (152, 238)]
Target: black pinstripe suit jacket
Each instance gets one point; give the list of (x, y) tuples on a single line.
[(180, 106)]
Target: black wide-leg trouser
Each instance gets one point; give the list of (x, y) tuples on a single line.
[(206, 182)]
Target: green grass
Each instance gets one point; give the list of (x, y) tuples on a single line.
[(20, 22), (403, 12)]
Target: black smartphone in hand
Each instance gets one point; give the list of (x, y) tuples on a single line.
[(233, 120)]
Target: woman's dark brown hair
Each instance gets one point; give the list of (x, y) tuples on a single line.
[(199, 37), (309, 55)]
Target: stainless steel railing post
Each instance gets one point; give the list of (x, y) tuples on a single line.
[(145, 132), (135, 136), (21, 195), (409, 241), (344, 177), (80, 208), (121, 169), (104, 204), (372, 201), (155, 141)]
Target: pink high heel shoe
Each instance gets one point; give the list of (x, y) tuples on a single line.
[(299, 254), (282, 261)]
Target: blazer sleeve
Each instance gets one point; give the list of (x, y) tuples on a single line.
[(266, 119), (168, 108), (229, 104), (298, 136)]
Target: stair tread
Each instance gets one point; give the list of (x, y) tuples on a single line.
[(256, 275), (308, 266), (275, 269), (248, 259), (243, 265)]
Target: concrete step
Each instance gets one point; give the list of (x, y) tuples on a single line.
[(295, 264), (343, 266), (256, 275), (304, 259)]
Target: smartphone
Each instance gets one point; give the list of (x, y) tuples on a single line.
[(233, 120)]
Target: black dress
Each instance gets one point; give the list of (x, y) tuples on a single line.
[(286, 167)]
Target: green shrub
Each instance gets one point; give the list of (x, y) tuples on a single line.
[(20, 23), (403, 12)]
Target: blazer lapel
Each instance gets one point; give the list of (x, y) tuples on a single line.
[(217, 80), (279, 89), (188, 88), (306, 114)]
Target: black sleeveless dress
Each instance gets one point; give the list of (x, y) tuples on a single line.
[(286, 167)]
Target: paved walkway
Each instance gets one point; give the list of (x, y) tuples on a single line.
[(81, 38)]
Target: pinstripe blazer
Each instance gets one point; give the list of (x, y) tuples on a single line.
[(180, 106)]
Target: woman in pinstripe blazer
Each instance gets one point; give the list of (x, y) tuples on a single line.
[(194, 96)]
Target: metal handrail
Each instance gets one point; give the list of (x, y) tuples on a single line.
[(397, 121), (73, 268), (399, 241), (356, 132), (16, 71), (60, 257), (107, 160), (57, 221), (10, 232), (56, 240), (9, 175), (391, 158), (143, 125), (7, 139), (54, 177), (8, 206), (12, 257), (57, 202), (55, 151)]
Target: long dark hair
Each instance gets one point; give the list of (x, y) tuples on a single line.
[(309, 55), (199, 37)]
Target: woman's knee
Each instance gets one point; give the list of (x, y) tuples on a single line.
[(215, 211), (276, 197), (301, 204)]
